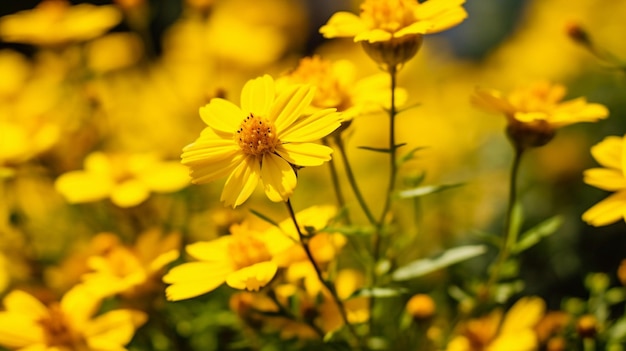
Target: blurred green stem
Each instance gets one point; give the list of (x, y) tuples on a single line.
[(510, 234), (329, 286)]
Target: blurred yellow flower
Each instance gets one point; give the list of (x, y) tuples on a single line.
[(261, 141), (421, 306), (493, 333), (133, 271), (535, 111), (27, 324), (127, 179), (57, 22), (242, 259), (384, 20), (610, 154)]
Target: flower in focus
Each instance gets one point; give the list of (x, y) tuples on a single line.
[(57, 22), (135, 271), (26, 323), (392, 30), (127, 179), (493, 333), (535, 112), (242, 259), (612, 177), (261, 141)]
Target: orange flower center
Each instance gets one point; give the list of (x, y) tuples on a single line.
[(257, 136), (389, 15), (58, 331), (318, 72), (246, 250)]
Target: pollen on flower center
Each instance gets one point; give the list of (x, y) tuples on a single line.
[(256, 136), (389, 15)]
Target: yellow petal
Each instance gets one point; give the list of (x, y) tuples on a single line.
[(252, 278), (609, 152), (20, 302), (491, 101), (257, 96), (522, 340), (80, 186), (459, 343), (290, 104), (241, 182), (80, 304), (605, 179), (19, 330), (311, 128), (524, 314), (373, 36), (113, 329), (434, 8), (129, 193), (343, 24), (305, 154), (165, 177), (607, 211), (279, 179), (210, 251), (420, 27), (447, 20), (204, 172), (195, 278), (222, 115)]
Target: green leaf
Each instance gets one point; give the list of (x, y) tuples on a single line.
[(409, 155), (349, 230), (380, 149), (264, 217), (517, 218), (449, 257), (378, 292), (425, 190), (538, 232)]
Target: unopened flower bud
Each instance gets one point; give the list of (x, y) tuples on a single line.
[(395, 52), (421, 307), (578, 34), (587, 326)]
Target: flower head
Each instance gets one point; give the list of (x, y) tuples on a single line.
[(534, 112), (392, 30), (263, 140), (127, 179), (610, 154), (243, 259), (26, 323), (57, 22)]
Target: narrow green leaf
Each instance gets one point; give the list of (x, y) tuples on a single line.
[(378, 292), (349, 230), (263, 217), (375, 149), (409, 155), (425, 190), (449, 257), (532, 236)]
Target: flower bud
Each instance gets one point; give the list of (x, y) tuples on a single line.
[(587, 326), (421, 307), (393, 52)]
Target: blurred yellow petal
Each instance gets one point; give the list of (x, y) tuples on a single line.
[(522, 340), (18, 330), (165, 177), (18, 301), (279, 178), (343, 24), (78, 186), (114, 328), (253, 277), (80, 304), (195, 278), (257, 96), (210, 251), (605, 179), (129, 193), (607, 211), (609, 152), (373, 35), (524, 314)]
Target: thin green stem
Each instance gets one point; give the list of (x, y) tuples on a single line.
[(509, 235), (288, 314), (352, 180), (393, 170), (318, 272)]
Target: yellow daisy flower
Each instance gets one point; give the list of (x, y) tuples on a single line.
[(264, 140), (534, 112), (384, 20), (514, 332), (610, 154), (242, 259), (26, 323), (127, 179), (57, 22)]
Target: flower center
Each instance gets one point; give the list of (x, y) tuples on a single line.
[(256, 136), (389, 15), (318, 72), (245, 250), (57, 330)]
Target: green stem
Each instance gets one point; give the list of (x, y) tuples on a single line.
[(352, 180), (318, 272), (335, 180), (510, 235), (393, 170)]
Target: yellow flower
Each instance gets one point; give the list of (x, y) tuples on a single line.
[(133, 272), (384, 20), (534, 112), (127, 179), (493, 333), (610, 154), (421, 306), (261, 141), (56, 22), (27, 323), (242, 259)]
